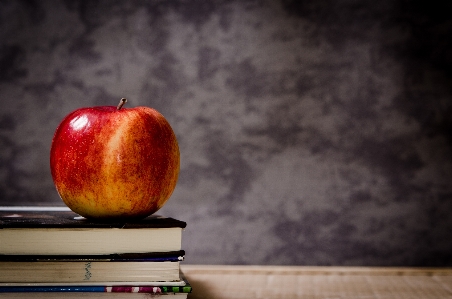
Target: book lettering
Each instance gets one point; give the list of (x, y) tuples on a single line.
[(87, 271)]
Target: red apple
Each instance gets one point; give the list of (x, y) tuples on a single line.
[(112, 162)]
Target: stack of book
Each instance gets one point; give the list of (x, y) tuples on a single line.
[(45, 252)]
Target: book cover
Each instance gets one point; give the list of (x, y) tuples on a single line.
[(171, 256), (51, 217)]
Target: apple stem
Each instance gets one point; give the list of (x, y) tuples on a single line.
[(121, 103)]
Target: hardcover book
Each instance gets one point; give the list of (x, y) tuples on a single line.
[(59, 231)]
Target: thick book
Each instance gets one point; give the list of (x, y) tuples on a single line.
[(59, 231), (89, 271), (11, 265)]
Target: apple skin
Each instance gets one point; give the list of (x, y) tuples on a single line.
[(110, 162)]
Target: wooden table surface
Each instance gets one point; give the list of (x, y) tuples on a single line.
[(216, 282)]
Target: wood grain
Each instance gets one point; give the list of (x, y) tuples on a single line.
[(317, 282)]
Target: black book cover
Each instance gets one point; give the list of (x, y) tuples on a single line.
[(170, 256), (61, 218)]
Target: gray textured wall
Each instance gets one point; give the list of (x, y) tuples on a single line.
[(311, 132)]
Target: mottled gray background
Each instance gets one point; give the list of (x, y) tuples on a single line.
[(311, 132)]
